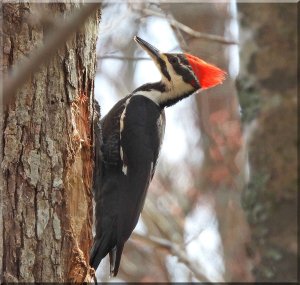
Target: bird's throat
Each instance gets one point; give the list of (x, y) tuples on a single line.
[(163, 94)]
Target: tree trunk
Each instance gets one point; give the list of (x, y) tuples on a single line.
[(268, 94), (46, 150)]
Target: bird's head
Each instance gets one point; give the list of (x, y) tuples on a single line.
[(182, 74)]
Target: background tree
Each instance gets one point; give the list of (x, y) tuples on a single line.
[(46, 148), (268, 96)]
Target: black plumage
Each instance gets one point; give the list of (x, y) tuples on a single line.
[(135, 127)]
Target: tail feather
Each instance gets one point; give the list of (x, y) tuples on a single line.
[(115, 259), (98, 252), (112, 260), (95, 257)]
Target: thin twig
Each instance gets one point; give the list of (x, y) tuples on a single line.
[(22, 71), (173, 249), (179, 34), (194, 237), (176, 24), (120, 57)]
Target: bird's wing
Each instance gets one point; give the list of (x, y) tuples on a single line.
[(141, 136), (140, 141)]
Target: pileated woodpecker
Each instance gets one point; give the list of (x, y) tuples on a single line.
[(132, 135)]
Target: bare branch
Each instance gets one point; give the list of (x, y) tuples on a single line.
[(178, 25), (22, 71), (180, 37), (119, 57), (173, 249)]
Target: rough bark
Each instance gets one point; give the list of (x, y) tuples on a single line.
[(268, 96), (46, 147)]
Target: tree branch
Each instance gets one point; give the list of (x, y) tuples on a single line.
[(22, 71), (120, 57), (178, 25), (173, 249)]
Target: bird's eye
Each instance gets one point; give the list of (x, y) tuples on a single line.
[(173, 60)]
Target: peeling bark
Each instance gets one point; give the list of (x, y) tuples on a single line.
[(46, 146)]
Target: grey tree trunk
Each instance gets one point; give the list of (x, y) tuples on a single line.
[(46, 150), (268, 96)]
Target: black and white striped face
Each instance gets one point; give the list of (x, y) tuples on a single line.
[(178, 79), (179, 69)]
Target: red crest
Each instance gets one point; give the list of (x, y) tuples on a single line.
[(207, 74)]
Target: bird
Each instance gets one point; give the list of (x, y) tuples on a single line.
[(132, 134)]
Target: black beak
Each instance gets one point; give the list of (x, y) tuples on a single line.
[(156, 56), (150, 49)]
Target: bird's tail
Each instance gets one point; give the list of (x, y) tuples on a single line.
[(115, 259), (99, 251), (95, 255)]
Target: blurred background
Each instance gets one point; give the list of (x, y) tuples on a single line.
[(223, 203)]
